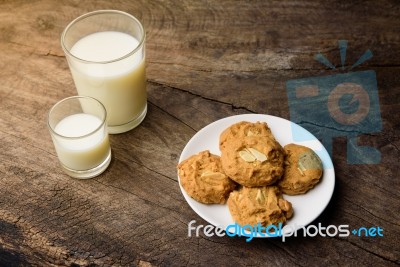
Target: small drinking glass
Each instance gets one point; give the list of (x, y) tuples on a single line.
[(78, 129)]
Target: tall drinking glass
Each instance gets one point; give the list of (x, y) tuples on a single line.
[(105, 50)]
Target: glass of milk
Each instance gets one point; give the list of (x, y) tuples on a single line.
[(105, 50), (78, 128)]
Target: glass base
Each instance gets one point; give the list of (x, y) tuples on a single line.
[(127, 126), (86, 174)]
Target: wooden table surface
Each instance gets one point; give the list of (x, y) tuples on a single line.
[(206, 60)]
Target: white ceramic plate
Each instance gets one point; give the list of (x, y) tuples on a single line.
[(306, 207)]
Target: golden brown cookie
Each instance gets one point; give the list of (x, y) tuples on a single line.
[(303, 170), (264, 205), (203, 179), (242, 129), (253, 160)]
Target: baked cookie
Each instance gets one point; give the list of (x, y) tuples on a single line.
[(253, 160), (242, 129), (303, 170), (264, 205), (203, 179)]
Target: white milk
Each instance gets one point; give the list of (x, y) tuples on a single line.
[(120, 85), (81, 153)]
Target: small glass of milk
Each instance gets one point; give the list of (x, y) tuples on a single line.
[(105, 50), (78, 128)]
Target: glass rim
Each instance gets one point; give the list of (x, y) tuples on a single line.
[(81, 136), (99, 12)]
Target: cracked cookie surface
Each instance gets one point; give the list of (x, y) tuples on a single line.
[(242, 129), (303, 170), (253, 160), (264, 205), (203, 179)]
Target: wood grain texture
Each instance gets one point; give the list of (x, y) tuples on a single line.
[(205, 60)]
